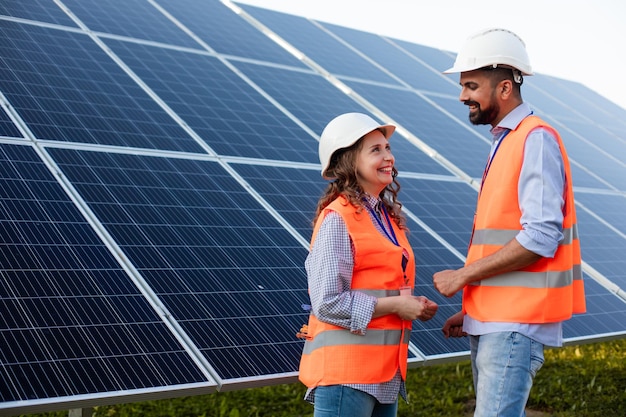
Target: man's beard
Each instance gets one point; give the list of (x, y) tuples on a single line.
[(480, 116)]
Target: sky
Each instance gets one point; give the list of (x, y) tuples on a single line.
[(578, 40)]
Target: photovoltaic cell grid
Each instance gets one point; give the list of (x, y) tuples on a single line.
[(603, 112), (71, 320), (612, 146), (605, 315), (228, 113), (227, 271), (304, 93), (406, 68), (225, 32), (7, 127), (607, 166), (212, 185), (37, 10), (131, 18), (610, 206), (314, 101), (588, 179), (66, 88), (447, 207), (319, 46), (602, 246)]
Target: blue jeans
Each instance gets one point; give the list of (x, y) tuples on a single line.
[(503, 367), (340, 401)]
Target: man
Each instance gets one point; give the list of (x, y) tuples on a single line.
[(522, 276)]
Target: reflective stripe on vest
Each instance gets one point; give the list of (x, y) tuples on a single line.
[(344, 337), (545, 279), (541, 279), (380, 293), (502, 237)]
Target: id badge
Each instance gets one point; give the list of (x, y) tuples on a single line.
[(406, 290)]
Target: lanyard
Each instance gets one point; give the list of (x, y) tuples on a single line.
[(391, 236), (482, 182), (486, 171), (494, 155)]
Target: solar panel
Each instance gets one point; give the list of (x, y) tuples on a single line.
[(600, 161), (596, 109), (65, 88), (226, 33), (290, 191), (207, 248), (320, 46), (217, 104), (587, 178), (7, 127), (406, 68), (612, 146), (607, 206), (136, 19), (159, 174), (36, 10), (602, 247), (73, 322), (604, 316)]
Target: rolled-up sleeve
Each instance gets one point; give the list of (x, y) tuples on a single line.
[(541, 194), (329, 267)]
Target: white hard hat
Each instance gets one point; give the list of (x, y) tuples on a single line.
[(342, 132), (492, 47)]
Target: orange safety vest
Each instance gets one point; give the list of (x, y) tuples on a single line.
[(332, 354), (549, 290)]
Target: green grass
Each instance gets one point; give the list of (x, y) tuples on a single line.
[(577, 381)]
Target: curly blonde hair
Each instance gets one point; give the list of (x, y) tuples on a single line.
[(343, 167)]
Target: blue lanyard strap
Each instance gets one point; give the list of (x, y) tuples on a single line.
[(486, 171), (391, 236)]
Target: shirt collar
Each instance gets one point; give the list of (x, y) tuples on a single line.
[(511, 120), (371, 200)]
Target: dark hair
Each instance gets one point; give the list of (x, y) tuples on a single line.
[(498, 74), (343, 167)]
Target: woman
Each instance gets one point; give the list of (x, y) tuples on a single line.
[(361, 273)]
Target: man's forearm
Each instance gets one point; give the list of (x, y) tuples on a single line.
[(511, 257)]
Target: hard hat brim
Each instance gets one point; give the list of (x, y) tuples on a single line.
[(457, 70)]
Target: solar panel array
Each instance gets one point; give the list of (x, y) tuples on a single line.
[(159, 174)]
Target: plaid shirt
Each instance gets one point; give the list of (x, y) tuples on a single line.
[(329, 268)]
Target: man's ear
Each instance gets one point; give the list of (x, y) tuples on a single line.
[(505, 89)]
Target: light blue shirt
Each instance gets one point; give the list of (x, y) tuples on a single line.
[(541, 192)]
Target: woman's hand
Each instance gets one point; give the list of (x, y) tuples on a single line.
[(407, 307)]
